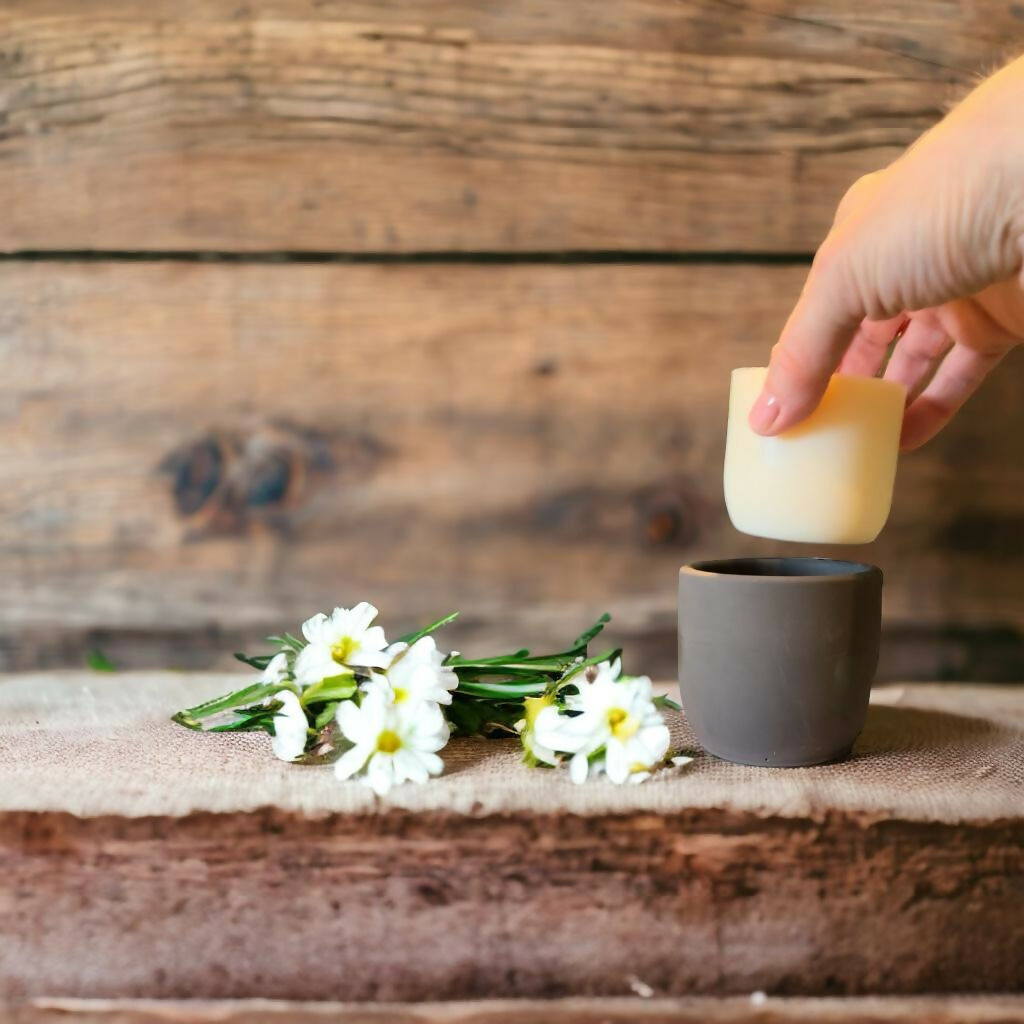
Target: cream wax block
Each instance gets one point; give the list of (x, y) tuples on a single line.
[(828, 480)]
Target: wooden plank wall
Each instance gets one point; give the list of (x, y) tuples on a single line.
[(434, 302)]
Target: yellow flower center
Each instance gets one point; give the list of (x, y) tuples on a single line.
[(388, 741), (401, 695), (622, 723), (343, 649)]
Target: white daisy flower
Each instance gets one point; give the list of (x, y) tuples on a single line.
[(343, 640), (617, 720), (276, 670), (392, 743), (416, 673), (290, 727)]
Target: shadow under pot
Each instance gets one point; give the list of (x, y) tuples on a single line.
[(777, 656)]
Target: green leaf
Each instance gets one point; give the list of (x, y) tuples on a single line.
[(411, 638), (259, 661), (464, 716), (503, 691), (248, 723), (583, 640), (191, 717), (576, 669), (526, 666), (457, 661), (326, 714), (287, 642), (470, 716), (339, 687), (664, 701), (241, 726), (99, 662)]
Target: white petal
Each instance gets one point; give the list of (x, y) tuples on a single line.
[(578, 769), (350, 721), (654, 741), (374, 639), (376, 710), (644, 687), (380, 774), (426, 652), (314, 662), (418, 671), (380, 685), (616, 763), (276, 670), (680, 761), (422, 723), (542, 753), (335, 626), (581, 734), (290, 727), (427, 741), (433, 764), (560, 732), (437, 694), (362, 615), (368, 651), (312, 628), (424, 648), (396, 649), (352, 761), (408, 766)]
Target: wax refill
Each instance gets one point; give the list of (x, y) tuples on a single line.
[(828, 480)]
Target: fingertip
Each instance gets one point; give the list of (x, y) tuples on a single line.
[(764, 413), (770, 415), (921, 422), (957, 378), (909, 443)]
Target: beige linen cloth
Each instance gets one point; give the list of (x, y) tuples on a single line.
[(91, 743)]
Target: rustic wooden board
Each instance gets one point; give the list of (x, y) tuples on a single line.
[(193, 455), (399, 126), (146, 861), (697, 1010)]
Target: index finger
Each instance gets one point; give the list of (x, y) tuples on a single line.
[(817, 333)]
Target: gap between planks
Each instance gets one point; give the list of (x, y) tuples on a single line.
[(574, 256)]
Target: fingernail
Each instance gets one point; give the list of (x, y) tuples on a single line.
[(764, 413)]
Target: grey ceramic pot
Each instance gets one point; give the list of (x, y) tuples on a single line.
[(777, 655)]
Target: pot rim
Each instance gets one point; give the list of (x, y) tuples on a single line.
[(835, 569)]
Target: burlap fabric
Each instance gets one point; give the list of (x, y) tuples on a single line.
[(93, 744)]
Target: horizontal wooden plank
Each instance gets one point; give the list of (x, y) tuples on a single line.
[(181, 865), (611, 1010), (209, 452), (401, 126)]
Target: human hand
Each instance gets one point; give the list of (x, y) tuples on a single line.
[(928, 250)]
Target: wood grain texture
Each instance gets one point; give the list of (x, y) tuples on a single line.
[(193, 455), (611, 1010), (538, 906), (401, 126)]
